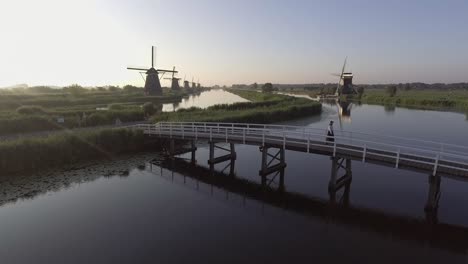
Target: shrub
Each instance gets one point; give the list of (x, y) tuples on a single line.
[(63, 149), (116, 107), (30, 110), (267, 88), (149, 109)]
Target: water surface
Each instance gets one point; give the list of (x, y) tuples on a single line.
[(204, 100)]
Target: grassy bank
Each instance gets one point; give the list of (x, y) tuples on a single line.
[(26, 113), (424, 99), (264, 108), (33, 154), (67, 148)]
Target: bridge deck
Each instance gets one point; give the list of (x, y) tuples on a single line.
[(418, 155)]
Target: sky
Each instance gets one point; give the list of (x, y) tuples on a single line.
[(60, 42)]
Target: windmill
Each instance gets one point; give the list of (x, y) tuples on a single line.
[(174, 80), (193, 84), (198, 83), (152, 81), (186, 83), (347, 78)]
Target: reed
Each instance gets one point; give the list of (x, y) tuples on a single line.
[(32, 154)]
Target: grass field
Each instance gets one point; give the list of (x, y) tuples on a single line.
[(425, 99), (32, 112), (63, 149)]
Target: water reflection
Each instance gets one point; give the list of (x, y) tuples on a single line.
[(25, 187), (337, 209), (204, 100), (389, 109), (344, 110), (128, 210)]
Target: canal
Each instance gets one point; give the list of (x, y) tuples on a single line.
[(139, 209)]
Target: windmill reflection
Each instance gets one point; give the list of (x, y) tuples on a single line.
[(344, 110)]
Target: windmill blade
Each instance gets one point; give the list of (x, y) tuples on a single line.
[(168, 78), (341, 77), (152, 56), (336, 74), (339, 115), (173, 71), (344, 65), (137, 69), (185, 76), (141, 74), (162, 75), (161, 70), (338, 87)]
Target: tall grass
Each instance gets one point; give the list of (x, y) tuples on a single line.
[(66, 149), (34, 123), (257, 112), (255, 96), (420, 98)]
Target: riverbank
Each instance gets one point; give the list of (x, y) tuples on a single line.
[(426, 99), (263, 108), (33, 154), (61, 149), (61, 110)]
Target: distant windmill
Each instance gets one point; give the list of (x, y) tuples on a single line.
[(193, 84), (347, 78), (186, 83), (198, 83), (152, 83), (174, 80)]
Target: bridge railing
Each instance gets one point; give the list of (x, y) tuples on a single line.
[(418, 143), (433, 154)]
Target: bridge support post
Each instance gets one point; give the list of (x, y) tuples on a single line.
[(194, 149), (172, 148), (173, 152), (215, 160), (336, 183), (267, 168), (432, 204)]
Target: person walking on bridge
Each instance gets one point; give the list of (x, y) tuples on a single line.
[(330, 133)]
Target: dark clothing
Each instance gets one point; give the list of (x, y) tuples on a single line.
[(330, 134), (330, 137)]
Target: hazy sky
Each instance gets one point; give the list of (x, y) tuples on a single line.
[(59, 42)]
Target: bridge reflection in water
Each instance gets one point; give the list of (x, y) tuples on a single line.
[(271, 189)]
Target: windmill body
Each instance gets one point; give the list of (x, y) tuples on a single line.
[(347, 84), (347, 88), (186, 85), (152, 82), (194, 85), (174, 81), (175, 84)]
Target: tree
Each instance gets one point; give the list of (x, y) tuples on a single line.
[(75, 89), (407, 87), (130, 88), (360, 91), (113, 88), (149, 109), (267, 88), (391, 90), (255, 86)]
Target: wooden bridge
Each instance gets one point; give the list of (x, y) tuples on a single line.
[(428, 157)]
